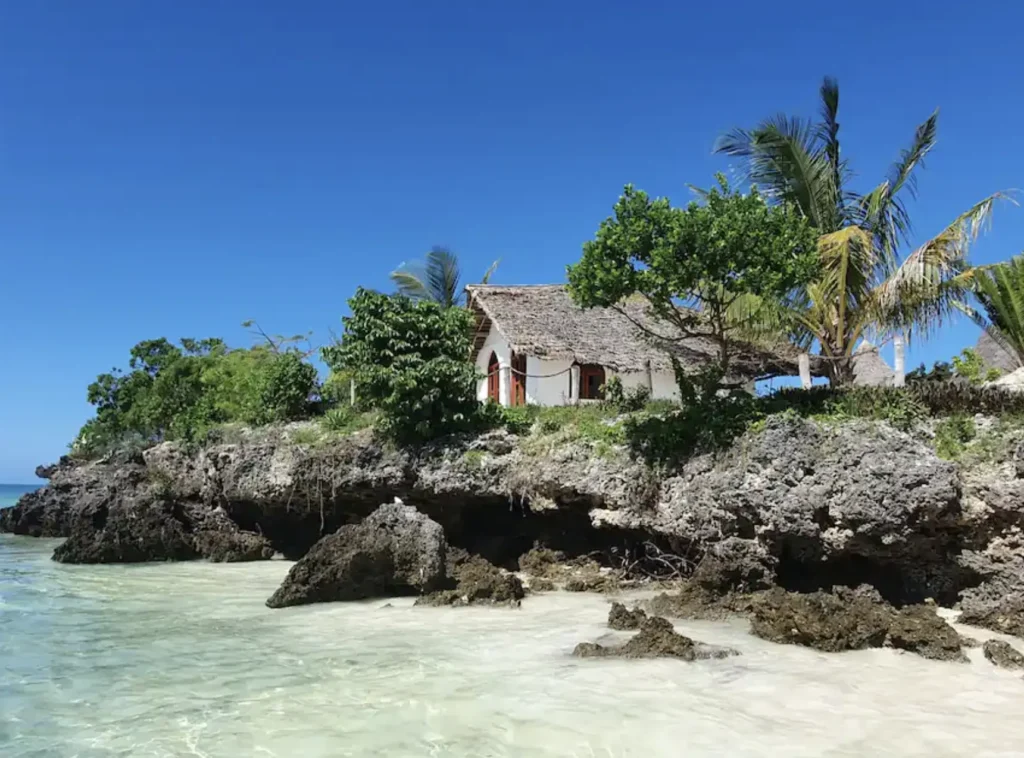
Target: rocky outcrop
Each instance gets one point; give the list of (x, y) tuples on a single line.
[(656, 639), (1003, 654), (396, 550), (820, 620), (795, 503), (621, 618), (477, 582), (852, 620)]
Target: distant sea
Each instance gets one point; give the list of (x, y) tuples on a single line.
[(9, 493)]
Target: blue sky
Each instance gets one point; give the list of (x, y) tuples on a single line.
[(175, 167)]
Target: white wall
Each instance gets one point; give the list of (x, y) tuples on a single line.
[(663, 383), (544, 389), (547, 381)]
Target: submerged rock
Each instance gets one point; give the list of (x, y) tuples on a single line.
[(396, 550), (820, 620), (1003, 654), (691, 601), (656, 639), (1005, 615), (478, 582), (919, 629), (619, 617)]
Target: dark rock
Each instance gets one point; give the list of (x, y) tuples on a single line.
[(619, 617), (862, 591), (820, 620), (542, 562), (692, 601), (129, 531), (478, 582), (1004, 615), (966, 641), (541, 585), (233, 546), (656, 639), (919, 629), (394, 551), (1003, 654), (736, 565)]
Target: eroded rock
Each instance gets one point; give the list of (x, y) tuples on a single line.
[(621, 618), (919, 629), (656, 639), (396, 550), (478, 582), (1003, 654), (820, 620)]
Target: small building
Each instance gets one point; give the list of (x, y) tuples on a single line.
[(533, 345)]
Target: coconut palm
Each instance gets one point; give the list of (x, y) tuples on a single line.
[(999, 290), (866, 289), (436, 278)]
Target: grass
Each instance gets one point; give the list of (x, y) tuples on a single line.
[(474, 458), (344, 420)]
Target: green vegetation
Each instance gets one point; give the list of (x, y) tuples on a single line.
[(999, 290), (410, 362), (716, 258), (865, 287), (344, 419), (969, 366), (952, 435), (436, 279), (622, 400), (182, 392)]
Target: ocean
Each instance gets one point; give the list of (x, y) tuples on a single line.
[(9, 493), (184, 659)]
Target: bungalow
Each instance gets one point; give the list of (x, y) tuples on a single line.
[(533, 345)]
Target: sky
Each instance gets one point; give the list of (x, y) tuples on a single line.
[(175, 167)]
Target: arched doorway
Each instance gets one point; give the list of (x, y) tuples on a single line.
[(591, 381), (518, 395), (493, 379)]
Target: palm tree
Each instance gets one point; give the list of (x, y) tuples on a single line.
[(437, 278), (999, 290), (866, 289)]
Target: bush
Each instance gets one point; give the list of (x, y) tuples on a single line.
[(345, 419), (623, 400), (182, 392), (410, 362), (952, 435)]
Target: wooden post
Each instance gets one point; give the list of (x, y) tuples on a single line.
[(574, 385), (352, 392), (649, 377), (899, 362), (506, 391), (804, 361)]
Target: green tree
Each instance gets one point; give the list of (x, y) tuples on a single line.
[(711, 257), (410, 361), (866, 289), (437, 278), (999, 290)]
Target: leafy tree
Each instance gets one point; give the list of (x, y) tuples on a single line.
[(410, 361), (712, 257), (179, 392), (437, 278), (866, 288), (999, 290), (970, 366)]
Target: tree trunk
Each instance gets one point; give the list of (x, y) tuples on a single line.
[(899, 362)]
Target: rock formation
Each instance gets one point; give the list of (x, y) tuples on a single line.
[(396, 550), (656, 639)]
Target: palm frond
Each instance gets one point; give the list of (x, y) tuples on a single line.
[(490, 272), (443, 276), (1000, 291), (409, 279), (929, 285)]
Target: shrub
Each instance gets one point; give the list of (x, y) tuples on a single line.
[(410, 362), (623, 400), (952, 435), (344, 420)]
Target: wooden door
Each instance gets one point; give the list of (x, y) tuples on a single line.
[(493, 379), (518, 395)]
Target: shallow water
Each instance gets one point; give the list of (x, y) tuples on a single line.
[(185, 660)]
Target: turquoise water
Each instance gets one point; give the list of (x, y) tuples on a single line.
[(9, 493), (169, 660)]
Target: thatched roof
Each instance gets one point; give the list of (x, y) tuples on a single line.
[(869, 369), (542, 320), (994, 355)]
